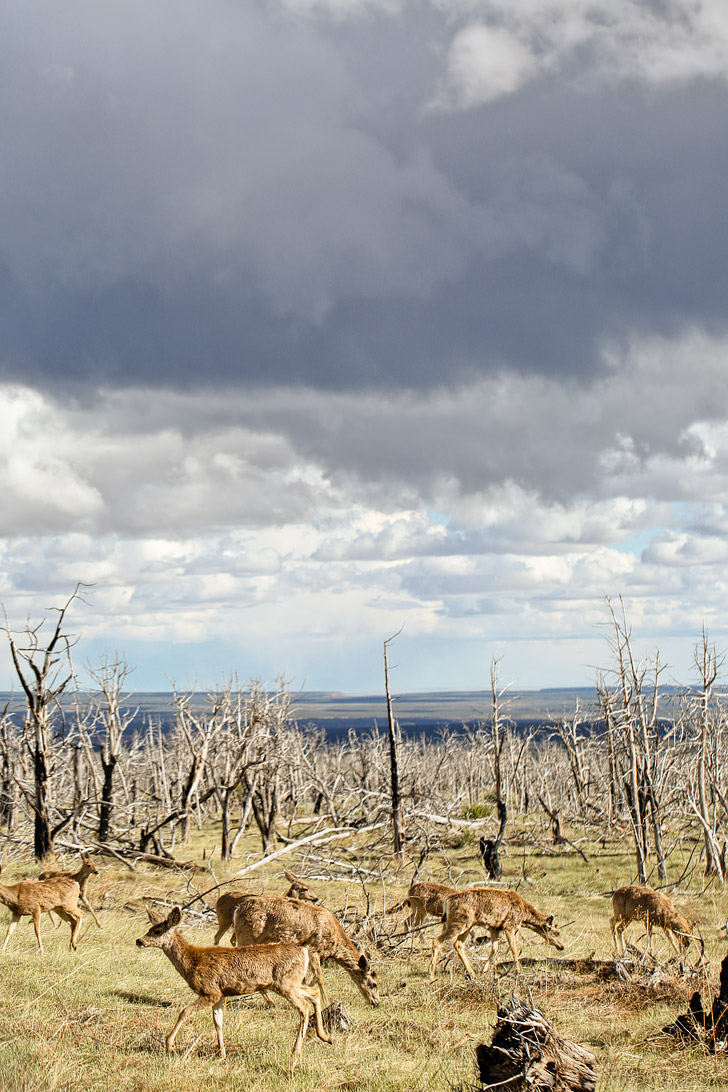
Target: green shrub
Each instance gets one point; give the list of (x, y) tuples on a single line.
[(478, 811)]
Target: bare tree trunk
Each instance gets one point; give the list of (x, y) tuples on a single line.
[(397, 817)]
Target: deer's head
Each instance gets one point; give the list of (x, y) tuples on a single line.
[(366, 979), (161, 928)]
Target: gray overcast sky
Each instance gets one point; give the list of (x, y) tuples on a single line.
[(321, 317)]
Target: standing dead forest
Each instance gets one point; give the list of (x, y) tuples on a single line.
[(233, 790), (639, 763)]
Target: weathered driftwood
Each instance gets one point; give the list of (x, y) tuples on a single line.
[(527, 1054), (708, 1028)]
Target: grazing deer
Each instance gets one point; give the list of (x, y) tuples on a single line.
[(423, 898), (81, 876), (498, 912), (227, 904), (35, 897), (263, 919), (653, 908), (215, 974)]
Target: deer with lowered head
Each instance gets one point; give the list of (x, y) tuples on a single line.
[(215, 974), (227, 904), (263, 919), (634, 903), (498, 912), (81, 876), (31, 898)]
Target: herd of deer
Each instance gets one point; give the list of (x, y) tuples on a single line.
[(278, 939)]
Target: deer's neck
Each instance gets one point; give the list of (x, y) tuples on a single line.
[(8, 896), (345, 952), (178, 952)]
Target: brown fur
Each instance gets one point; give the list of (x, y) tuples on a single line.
[(227, 904), (35, 897), (81, 876), (423, 898), (266, 918), (215, 974), (498, 912), (653, 908)]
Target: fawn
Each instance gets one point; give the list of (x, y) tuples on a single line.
[(81, 876), (215, 974), (227, 904), (267, 918), (653, 908), (36, 897), (498, 912)]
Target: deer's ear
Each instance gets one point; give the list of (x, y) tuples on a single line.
[(363, 962), (153, 916), (175, 916), (550, 920)]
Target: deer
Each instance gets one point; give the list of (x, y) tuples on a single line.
[(226, 905), (424, 897), (216, 973), (498, 912), (81, 876), (634, 903), (32, 898), (263, 919)]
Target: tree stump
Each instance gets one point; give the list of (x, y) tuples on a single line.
[(709, 1028), (527, 1054)]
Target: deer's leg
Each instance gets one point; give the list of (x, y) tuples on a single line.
[(84, 902), (312, 993), (648, 930), (511, 938), (217, 1013), (196, 1006), (315, 965), (450, 930), (74, 920), (436, 947), (298, 1003), (460, 953), (11, 929), (36, 923), (617, 927), (54, 921), (491, 945), (671, 937), (222, 928)]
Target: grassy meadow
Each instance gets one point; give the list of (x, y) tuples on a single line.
[(95, 1019)]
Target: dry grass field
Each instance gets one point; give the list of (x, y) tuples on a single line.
[(95, 1019)]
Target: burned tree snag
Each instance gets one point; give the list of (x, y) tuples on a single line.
[(527, 1054), (44, 669), (489, 848), (709, 1028), (397, 815)]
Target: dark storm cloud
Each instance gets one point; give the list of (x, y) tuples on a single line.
[(204, 194)]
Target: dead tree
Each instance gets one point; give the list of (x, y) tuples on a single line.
[(489, 849), (708, 664), (9, 747), (634, 707), (708, 1027), (45, 670), (110, 678), (393, 729)]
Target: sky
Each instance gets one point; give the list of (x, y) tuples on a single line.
[(323, 319)]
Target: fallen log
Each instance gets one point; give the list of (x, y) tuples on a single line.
[(527, 1054)]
